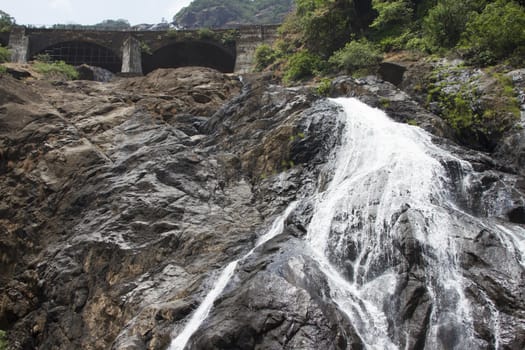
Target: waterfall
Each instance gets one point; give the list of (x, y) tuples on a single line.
[(200, 314), (388, 212), (382, 170)]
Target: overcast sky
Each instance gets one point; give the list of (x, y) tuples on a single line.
[(46, 12)]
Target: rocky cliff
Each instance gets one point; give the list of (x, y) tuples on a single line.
[(119, 199), (123, 201), (232, 14)]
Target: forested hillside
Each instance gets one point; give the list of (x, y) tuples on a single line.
[(340, 35), (231, 13), (463, 51)]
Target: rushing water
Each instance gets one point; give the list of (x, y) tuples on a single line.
[(199, 315), (383, 169), (389, 185)]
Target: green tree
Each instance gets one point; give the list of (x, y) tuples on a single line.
[(497, 32), (391, 13), (6, 21), (447, 20), (326, 25), (394, 25), (301, 64), (264, 56), (356, 55)]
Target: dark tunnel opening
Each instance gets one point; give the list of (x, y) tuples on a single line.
[(78, 52), (190, 53), (4, 38)]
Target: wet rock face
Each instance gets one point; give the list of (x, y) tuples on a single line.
[(119, 199), (482, 107), (123, 201), (276, 310), (87, 72), (399, 105)]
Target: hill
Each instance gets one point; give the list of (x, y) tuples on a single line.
[(232, 13)]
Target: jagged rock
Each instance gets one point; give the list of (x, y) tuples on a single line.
[(265, 318), (86, 72), (127, 193), (398, 104), (122, 201), (476, 103), (18, 73)]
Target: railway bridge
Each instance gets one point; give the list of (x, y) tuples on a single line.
[(140, 52)]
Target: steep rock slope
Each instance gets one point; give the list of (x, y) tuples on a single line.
[(122, 202), (117, 203)]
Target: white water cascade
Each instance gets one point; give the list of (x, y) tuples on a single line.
[(200, 314), (382, 169), (389, 188)]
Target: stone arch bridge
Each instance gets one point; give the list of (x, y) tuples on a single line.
[(140, 52)]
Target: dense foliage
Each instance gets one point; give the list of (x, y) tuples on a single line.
[(446, 21), (345, 35), (356, 55), (114, 24), (301, 64), (227, 13), (56, 69), (264, 56), (496, 33), (314, 32), (485, 31)]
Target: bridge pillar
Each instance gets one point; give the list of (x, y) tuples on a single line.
[(18, 44), (249, 39), (131, 56)]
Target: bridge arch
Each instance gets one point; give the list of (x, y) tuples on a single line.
[(190, 53), (83, 52)]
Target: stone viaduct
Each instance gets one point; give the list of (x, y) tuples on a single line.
[(140, 52)]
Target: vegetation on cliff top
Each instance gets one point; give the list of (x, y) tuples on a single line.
[(107, 24), (340, 35), (322, 38)]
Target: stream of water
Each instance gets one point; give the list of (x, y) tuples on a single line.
[(382, 169), (200, 314)]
